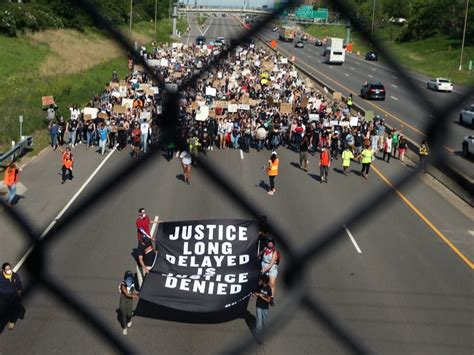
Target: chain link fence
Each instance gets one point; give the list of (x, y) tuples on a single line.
[(297, 260)]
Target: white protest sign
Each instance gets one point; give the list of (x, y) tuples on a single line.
[(313, 117), (354, 121), (211, 91), (243, 107), (284, 60), (334, 123), (257, 63), (164, 62), (153, 62), (203, 113), (92, 111), (232, 108)]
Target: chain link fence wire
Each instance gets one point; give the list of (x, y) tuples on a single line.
[(294, 274)]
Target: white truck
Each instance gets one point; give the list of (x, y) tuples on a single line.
[(334, 52)]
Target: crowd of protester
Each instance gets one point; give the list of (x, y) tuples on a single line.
[(252, 100)]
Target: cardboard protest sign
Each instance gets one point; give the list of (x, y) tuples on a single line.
[(304, 102), (119, 109), (103, 116), (267, 66), (337, 96), (87, 117), (286, 107), (139, 68), (220, 104), (114, 85), (204, 267), (47, 100)]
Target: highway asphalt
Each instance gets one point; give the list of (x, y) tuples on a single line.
[(401, 108), (406, 292)]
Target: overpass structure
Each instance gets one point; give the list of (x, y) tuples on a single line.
[(223, 10)]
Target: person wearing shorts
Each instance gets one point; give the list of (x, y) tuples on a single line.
[(186, 162), (269, 264)]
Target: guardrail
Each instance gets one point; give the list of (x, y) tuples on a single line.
[(17, 150), (449, 176)]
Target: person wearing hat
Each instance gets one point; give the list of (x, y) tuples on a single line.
[(127, 295), (147, 255), (272, 171)]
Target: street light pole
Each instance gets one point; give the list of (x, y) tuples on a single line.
[(130, 31), (156, 9), (463, 35), (373, 19)]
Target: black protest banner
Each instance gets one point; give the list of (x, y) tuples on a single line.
[(203, 266)]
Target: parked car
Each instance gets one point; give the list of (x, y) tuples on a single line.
[(440, 84), (468, 146), (372, 56), (318, 42), (466, 116), (299, 44), (200, 40), (373, 91), (304, 37)]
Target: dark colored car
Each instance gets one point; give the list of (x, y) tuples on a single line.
[(200, 40), (375, 91), (318, 42), (299, 44), (304, 37), (372, 56)]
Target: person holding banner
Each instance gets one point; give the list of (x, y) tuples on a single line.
[(272, 171), (264, 299), (143, 225)]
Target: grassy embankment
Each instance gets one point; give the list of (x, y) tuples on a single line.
[(437, 57), (69, 65)]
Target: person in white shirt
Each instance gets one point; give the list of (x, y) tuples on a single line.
[(186, 161), (144, 129)]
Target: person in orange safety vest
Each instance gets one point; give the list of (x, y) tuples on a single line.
[(272, 171), (68, 162), (324, 163), (10, 180)]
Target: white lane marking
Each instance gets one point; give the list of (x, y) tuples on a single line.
[(212, 18), (395, 86), (393, 97), (352, 239), (394, 77), (241, 154), (373, 69), (189, 26), (371, 76), (61, 213), (346, 74), (177, 154), (352, 68), (471, 233), (357, 63)]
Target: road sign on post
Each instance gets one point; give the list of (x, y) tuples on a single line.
[(20, 118)]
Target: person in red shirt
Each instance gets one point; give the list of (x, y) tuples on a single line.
[(324, 162), (143, 225)]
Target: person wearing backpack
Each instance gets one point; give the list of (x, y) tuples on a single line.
[(270, 260), (127, 295)]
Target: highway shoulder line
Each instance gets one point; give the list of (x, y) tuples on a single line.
[(65, 208), (438, 233), (356, 246)]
